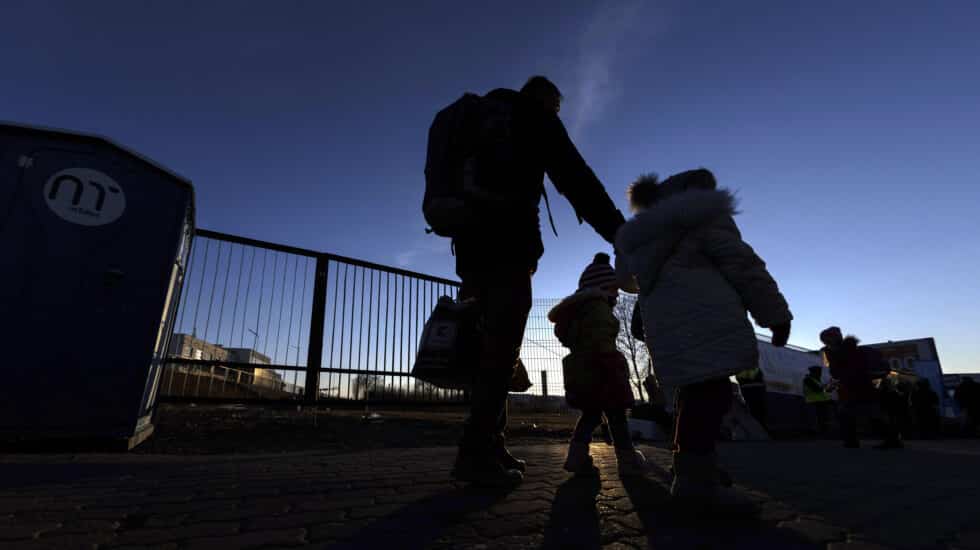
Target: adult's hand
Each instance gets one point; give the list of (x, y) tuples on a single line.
[(780, 334)]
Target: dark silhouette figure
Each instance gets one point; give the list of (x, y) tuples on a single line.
[(925, 407), (485, 168), (816, 396), (967, 396), (851, 366), (595, 371), (895, 398)]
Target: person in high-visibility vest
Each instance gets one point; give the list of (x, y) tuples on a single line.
[(752, 384), (815, 394)]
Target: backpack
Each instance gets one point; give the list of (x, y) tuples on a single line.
[(470, 147)]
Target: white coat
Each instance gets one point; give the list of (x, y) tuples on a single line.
[(697, 278)]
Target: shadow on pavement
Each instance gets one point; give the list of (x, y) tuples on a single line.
[(574, 521), (667, 527), (422, 522)]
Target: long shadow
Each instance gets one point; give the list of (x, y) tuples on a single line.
[(422, 522), (574, 521), (668, 527)]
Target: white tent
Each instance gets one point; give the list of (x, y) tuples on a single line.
[(785, 368)]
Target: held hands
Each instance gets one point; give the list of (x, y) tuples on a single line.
[(780, 334)]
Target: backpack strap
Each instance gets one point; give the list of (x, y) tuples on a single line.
[(547, 206)]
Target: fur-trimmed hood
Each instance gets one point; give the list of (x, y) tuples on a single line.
[(673, 216)]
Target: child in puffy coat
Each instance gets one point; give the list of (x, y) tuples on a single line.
[(595, 371), (697, 280)]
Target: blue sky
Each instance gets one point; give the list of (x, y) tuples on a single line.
[(849, 129)]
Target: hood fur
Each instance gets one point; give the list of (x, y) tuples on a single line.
[(674, 216)]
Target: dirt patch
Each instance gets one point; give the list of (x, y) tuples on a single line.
[(221, 429)]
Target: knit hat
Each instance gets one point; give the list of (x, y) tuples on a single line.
[(598, 274)]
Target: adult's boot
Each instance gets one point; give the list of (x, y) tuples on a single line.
[(481, 468), (507, 460)]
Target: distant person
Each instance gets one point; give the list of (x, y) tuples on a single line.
[(894, 399), (925, 407), (595, 371), (485, 166), (967, 396), (852, 368), (752, 384), (697, 279), (817, 398)]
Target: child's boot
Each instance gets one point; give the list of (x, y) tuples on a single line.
[(632, 463), (579, 461)]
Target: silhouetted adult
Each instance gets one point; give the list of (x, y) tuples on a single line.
[(925, 406), (516, 138), (850, 366), (967, 396)]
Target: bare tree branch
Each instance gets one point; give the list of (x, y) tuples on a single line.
[(635, 350)]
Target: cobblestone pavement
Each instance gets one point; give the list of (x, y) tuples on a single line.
[(813, 495)]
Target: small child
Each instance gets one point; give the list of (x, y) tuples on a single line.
[(697, 278), (595, 371)]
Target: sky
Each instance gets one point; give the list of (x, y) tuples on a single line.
[(848, 129)]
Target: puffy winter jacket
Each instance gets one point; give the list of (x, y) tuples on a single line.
[(595, 371), (697, 279)]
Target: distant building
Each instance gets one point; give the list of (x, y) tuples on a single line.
[(902, 355), (918, 358), (247, 355), (187, 346)]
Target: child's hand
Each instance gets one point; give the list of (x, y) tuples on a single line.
[(780, 334)]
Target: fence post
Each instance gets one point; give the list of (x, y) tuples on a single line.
[(544, 383), (314, 357)]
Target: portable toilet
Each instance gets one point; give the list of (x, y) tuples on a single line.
[(94, 240)]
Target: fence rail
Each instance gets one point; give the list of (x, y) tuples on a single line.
[(336, 328)]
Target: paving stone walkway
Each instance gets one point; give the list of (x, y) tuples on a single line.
[(813, 495)]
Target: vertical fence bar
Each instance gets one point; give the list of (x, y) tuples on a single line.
[(314, 355), (200, 288), (238, 290), (272, 301), (384, 357), (214, 288), (224, 294)]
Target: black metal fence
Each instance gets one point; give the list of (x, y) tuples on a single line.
[(259, 320), (263, 321)]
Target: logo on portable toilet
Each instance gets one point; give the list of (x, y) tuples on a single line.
[(84, 196)]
